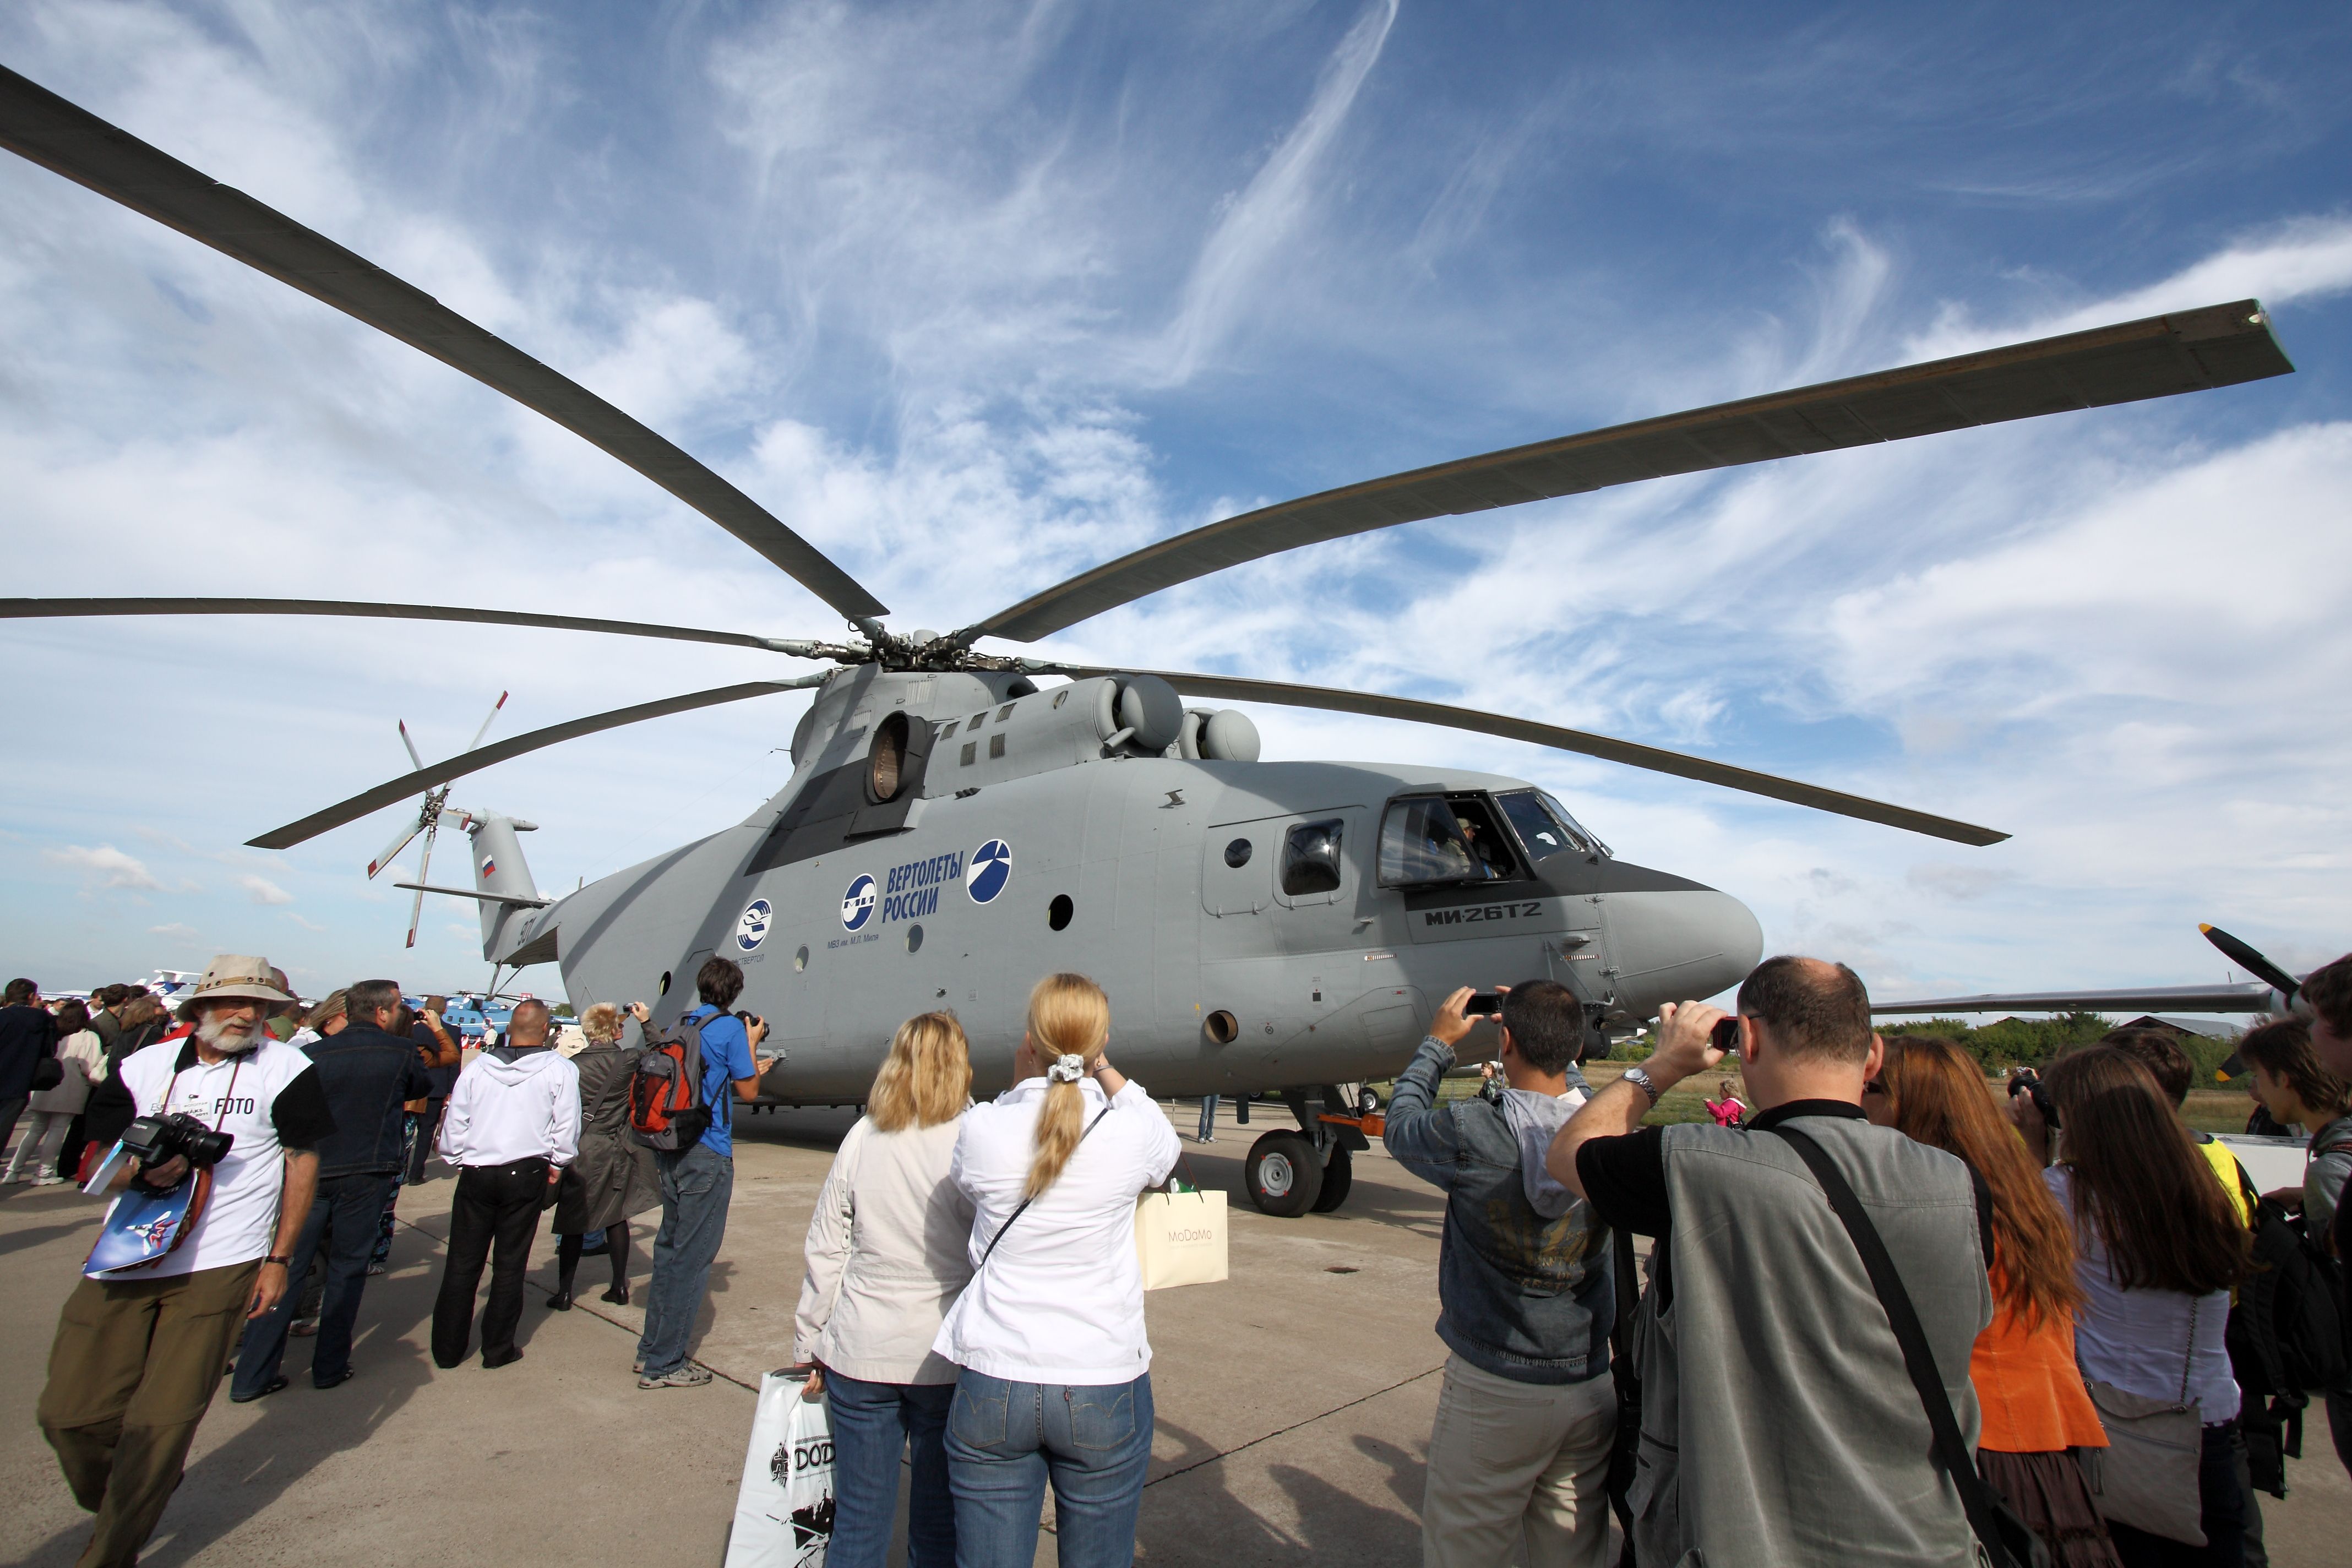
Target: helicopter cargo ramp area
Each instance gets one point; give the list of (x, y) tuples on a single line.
[(1294, 1399)]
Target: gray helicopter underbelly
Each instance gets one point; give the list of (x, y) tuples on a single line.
[(1123, 871)]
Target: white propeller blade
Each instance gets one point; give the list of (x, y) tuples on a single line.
[(486, 725), (423, 863), (384, 856), (410, 744)]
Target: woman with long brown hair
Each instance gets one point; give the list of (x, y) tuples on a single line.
[(885, 1257), (2035, 1413), (2157, 1246), (1056, 1379)]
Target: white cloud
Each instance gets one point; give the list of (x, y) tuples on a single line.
[(309, 925), (262, 890), (105, 867), (175, 930)]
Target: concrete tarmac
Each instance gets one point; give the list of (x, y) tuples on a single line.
[(1294, 1400)]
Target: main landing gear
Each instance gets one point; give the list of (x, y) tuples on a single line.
[(1310, 1171)]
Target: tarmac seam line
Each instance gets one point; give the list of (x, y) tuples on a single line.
[(1294, 1427)]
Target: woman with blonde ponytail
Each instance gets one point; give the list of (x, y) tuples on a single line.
[(1056, 1373), (886, 1257)]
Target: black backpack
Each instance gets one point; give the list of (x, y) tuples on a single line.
[(2286, 1334)]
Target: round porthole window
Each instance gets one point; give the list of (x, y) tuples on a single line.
[(1058, 912), (914, 939), (800, 961), (664, 982), (1237, 853)]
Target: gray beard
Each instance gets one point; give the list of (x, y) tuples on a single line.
[(212, 1033)]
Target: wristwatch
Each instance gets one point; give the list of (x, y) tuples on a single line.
[(281, 1262), (1645, 1082)]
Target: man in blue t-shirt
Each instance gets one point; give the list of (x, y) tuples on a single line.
[(697, 1183)]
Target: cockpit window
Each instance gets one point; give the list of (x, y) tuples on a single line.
[(1310, 859), (1576, 830), (1543, 829), (1427, 839)]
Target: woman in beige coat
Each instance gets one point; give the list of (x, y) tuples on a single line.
[(53, 1109), (887, 1254), (614, 1176)]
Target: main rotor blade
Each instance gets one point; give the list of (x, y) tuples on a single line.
[(68, 140), (465, 762), (2226, 998), (1630, 753), (23, 609), (2252, 960), (2218, 345)]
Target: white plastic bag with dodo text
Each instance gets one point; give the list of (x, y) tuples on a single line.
[(783, 1513)]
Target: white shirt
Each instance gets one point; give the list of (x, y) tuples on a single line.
[(887, 1254), (2138, 1339), (503, 1111), (1062, 1299), (238, 1094)]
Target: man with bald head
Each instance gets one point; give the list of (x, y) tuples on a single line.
[(1780, 1421), (511, 1125)]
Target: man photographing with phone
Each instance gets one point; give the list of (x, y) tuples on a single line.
[(140, 1348), (1520, 1447), (1781, 1424)]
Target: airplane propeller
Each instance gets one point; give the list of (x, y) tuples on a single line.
[(2252, 963), (2217, 345)]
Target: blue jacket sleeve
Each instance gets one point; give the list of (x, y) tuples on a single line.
[(1423, 1136)]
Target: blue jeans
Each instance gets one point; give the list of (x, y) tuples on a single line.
[(873, 1423), (1006, 1439), (344, 1216), (696, 1185)]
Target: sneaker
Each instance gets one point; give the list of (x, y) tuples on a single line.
[(684, 1375), (48, 1181), (375, 1269), (303, 1328)]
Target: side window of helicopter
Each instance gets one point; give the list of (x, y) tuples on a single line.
[(1310, 859), (1541, 834), (1421, 842), (1488, 847)]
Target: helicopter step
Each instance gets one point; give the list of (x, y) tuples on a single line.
[(1311, 1170)]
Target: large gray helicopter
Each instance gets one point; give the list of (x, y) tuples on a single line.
[(952, 830)]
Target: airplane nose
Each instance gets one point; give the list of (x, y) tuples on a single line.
[(1672, 940)]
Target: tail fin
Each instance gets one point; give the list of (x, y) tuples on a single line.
[(499, 867)]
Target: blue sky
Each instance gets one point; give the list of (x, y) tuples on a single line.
[(978, 295)]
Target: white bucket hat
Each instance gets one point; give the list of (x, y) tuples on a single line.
[(239, 976)]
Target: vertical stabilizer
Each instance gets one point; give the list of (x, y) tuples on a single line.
[(499, 867)]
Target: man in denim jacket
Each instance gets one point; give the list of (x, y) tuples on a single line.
[(1520, 1449)]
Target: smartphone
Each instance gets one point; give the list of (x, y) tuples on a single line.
[(1485, 1004)]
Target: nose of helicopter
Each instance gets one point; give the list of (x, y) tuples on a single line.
[(1674, 939)]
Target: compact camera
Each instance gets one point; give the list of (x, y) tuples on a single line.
[(2026, 1082), (152, 1140)]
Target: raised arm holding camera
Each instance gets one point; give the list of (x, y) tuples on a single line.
[(232, 1117), (1520, 1447)]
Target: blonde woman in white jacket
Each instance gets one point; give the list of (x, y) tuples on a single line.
[(886, 1260)]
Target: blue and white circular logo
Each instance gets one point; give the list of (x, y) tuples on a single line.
[(858, 904), (989, 868), (752, 925)]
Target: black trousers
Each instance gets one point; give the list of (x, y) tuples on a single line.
[(496, 1207), (429, 1122)]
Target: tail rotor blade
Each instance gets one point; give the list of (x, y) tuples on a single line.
[(485, 729), (411, 745), (384, 856), (2252, 962), (423, 865)]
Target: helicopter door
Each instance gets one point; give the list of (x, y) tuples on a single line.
[(1237, 866)]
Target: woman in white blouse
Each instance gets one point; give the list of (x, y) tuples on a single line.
[(1056, 1381), (2158, 1245), (885, 1256)]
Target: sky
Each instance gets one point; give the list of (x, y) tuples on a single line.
[(975, 296)]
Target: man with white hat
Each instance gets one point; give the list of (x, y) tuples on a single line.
[(139, 1351)]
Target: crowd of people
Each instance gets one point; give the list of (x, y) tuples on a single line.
[(1885, 1314)]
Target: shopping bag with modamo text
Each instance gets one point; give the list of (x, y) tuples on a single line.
[(1179, 1238), (783, 1511)]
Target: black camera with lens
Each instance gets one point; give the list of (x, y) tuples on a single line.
[(152, 1140)]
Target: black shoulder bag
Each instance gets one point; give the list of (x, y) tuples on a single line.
[(2003, 1535), (1625, 1448), (1027, 1202)]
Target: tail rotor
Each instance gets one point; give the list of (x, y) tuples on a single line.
[(428, 819)]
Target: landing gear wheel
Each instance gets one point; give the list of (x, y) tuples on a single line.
[(1338, 1177), (1284, 1174)]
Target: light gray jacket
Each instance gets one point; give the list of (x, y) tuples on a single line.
[(885, 1256), (1778, 1426)]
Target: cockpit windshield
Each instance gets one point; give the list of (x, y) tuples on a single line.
[(1544, 825), (1428, 839)]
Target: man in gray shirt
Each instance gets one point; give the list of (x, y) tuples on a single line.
[(1779, 1423)]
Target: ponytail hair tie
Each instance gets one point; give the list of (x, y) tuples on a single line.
[(1067, 1069)]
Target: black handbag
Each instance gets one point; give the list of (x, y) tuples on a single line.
[(1626, 1446), (2006, 1539), (48, 1073)]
